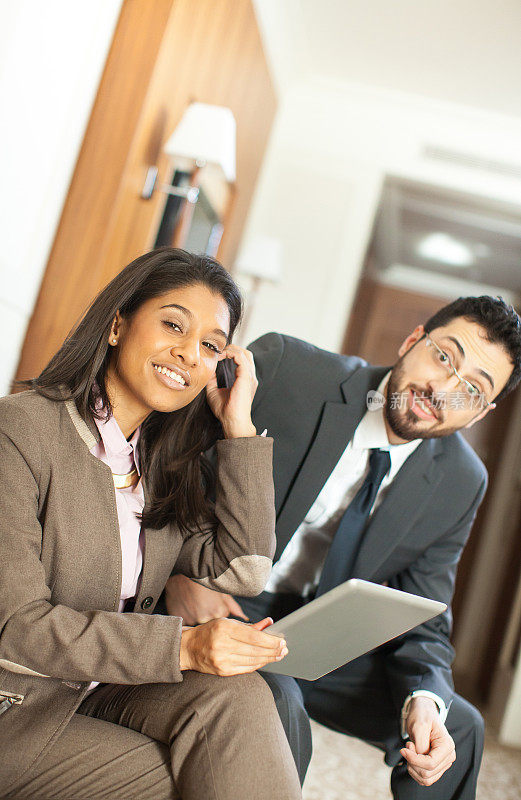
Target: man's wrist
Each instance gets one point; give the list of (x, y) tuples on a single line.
[(438, 702)]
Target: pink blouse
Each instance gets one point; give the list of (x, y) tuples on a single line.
[(121, 456)]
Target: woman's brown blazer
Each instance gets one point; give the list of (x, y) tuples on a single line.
[(60, 569)]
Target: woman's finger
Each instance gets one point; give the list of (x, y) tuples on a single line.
[(251, 651), (229, 636), (244, 663), (262, 624), (243, 358), (250, 635)]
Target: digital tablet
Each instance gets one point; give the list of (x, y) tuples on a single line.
[(345, 623)]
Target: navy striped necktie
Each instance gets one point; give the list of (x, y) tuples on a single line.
[(346, 542)]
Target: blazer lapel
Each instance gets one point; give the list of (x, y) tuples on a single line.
[(161, 548), (335, 430), (408, 494)]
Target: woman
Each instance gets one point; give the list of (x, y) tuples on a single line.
[(104, 489)]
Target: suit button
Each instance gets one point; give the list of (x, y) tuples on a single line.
[(147, 602)]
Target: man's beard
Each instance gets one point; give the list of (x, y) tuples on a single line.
[(404, 422)]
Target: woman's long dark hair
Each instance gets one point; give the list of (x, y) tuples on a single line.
[(178, 475)]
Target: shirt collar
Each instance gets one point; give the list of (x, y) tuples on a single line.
[(114, 441), (371, 431)]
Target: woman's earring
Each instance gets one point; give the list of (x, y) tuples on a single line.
[(114, 341)]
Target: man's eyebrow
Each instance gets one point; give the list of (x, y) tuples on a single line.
[(191, 316), (462, 353), (487, 376), (458, 345)]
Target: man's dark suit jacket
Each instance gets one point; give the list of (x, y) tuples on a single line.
[(311, 402)]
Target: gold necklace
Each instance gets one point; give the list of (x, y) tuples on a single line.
[(124, 481)]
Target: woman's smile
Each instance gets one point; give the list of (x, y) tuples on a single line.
[(171, 376), (166, 352)]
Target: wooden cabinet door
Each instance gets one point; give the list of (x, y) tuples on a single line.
[(164, 55)]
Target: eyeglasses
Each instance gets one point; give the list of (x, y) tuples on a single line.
[(474, 395)]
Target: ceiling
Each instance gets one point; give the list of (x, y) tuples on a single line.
[(489, 234), (462, 51)]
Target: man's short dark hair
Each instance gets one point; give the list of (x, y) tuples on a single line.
[(501, 322)]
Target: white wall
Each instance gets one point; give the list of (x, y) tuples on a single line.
[(331, 147), (52, 55)]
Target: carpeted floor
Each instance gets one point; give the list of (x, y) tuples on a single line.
[(347, 769)]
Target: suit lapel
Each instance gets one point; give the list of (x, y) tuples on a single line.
[(335, 430), (408, 495), (161, 547)]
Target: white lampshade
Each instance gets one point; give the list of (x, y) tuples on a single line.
[(261, 257), (206, 133)]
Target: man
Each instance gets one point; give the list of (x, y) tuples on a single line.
[(332, 418)]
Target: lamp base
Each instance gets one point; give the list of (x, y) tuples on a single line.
[(190, 193)]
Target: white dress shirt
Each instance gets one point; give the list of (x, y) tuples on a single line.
[(299, 568), (300, 565)]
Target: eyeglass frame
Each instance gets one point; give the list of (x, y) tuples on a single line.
[(455, 372)]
